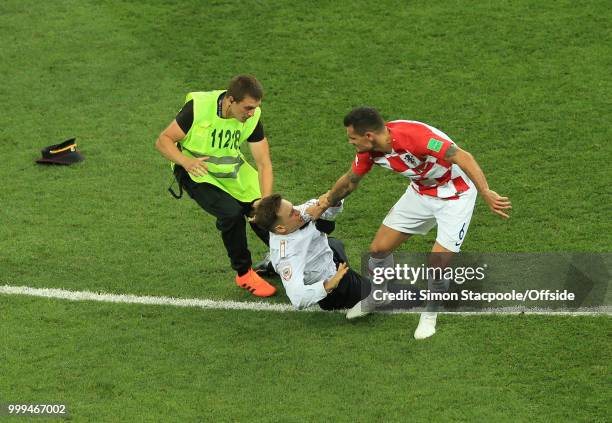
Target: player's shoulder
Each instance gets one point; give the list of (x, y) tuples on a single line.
[(415, 128), (412, 134), (406, 127)]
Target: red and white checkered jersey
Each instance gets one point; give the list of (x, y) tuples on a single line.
[(418, 153)]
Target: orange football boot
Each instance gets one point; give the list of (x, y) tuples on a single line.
[(252, 282)]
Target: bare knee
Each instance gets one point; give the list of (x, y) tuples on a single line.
[(440, 256), (378, 250), (386, 241)]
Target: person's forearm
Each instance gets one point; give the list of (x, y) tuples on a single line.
[(330, 284), (266, 179), (333, 282), (169, 150), (341, 189), (471, 168), (498, 204)]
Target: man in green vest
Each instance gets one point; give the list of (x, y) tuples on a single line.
[(203, 144)]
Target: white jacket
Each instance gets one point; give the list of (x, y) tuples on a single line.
[(304, 260)]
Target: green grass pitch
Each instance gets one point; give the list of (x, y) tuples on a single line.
[(525, 86)]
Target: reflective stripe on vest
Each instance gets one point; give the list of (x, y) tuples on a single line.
[(224, 160)]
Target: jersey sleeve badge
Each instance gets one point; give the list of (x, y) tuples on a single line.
[(285, 271), (435, 145)]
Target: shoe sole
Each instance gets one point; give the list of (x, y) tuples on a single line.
[(356, 315), (252, 291), (418, 338)]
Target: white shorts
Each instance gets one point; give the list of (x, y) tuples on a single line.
[(416, 214)]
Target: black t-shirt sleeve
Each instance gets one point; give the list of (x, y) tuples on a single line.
[(258, 133), (184, 118)]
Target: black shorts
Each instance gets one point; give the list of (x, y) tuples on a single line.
[(352, 287)]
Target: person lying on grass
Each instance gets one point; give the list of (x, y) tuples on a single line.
[(313, 267)]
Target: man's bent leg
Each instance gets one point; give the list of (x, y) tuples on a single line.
[(381, 257), (410, 215), (337, 247), (231, 223), (350, 291), (381, 250), (233, 233), (230, 219), (386, 241)]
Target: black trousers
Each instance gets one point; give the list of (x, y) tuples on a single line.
[(352, 287), (231, 218)]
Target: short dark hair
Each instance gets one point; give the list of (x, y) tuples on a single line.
[(364, 119), (266, 213), (245, 85)]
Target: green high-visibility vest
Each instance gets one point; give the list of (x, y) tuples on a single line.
[(220, 139)]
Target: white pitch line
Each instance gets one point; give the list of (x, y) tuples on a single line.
[(64, 294)]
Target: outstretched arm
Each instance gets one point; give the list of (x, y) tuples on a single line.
[(468, 164), (346, 184)]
